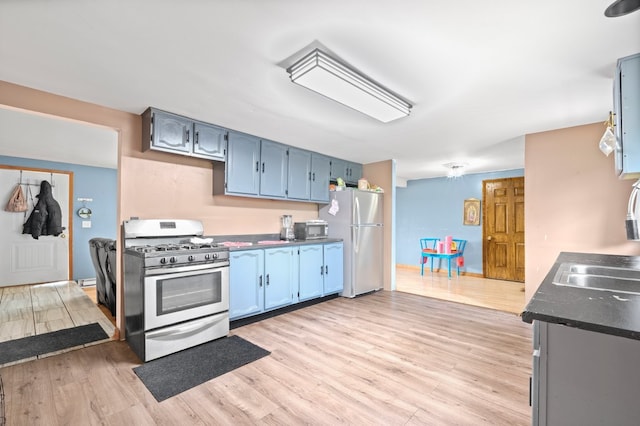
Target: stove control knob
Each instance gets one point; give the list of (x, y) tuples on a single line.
[(191, 258), (215, 255), (163, 260), (172, 259), (207, 256)]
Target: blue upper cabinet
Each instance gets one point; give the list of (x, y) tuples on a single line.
[(262, 168), (350, 172), (308, 176), (243, 164), (164, 131), (167, 132), (354, 172), (320, 172), (209, 141), (338, 169), (254, 167), (299, 178), (626, 99), (273, 169)]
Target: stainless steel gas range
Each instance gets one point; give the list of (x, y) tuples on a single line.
[(176, 286)]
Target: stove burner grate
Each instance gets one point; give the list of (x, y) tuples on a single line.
[(170, 247)]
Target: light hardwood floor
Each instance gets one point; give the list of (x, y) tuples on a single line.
[(505, 296), (30, 310), (388, 358)]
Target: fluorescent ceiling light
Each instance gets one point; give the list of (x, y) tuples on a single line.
[(327, 76)]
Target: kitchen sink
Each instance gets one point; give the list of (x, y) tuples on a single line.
[(607, 278)]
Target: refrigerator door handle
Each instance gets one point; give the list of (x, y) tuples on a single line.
[(355, 234), (357, 211)]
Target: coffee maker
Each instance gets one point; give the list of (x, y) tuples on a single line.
[(286, 230)]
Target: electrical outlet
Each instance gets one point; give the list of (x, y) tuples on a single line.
[(86, 224)]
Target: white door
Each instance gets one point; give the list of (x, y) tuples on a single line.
[(23, 259)]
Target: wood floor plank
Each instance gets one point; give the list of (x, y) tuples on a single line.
[(386, 358), (17, 329), (29, 310), (505, 296)]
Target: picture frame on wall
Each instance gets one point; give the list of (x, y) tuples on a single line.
[(471, 212)]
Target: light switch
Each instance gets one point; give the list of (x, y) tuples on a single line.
[(86, 224)]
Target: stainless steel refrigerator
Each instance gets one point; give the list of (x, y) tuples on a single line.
[(356, 217)]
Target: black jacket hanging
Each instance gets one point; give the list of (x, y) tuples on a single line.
[(46, 217)]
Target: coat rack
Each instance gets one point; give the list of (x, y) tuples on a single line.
[(37, 184)]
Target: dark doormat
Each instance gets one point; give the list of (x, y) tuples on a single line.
[(31, 346), (168, 376)]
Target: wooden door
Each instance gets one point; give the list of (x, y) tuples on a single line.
[(503, 229), (23, 259)]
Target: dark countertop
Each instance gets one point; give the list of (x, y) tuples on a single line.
[(606, 312), (254, 239)]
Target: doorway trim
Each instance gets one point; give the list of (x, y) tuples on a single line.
[(69, 207)]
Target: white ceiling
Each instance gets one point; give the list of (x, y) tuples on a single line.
[(480, 74)]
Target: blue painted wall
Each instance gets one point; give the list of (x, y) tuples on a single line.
[(98, 183), (433, 208)]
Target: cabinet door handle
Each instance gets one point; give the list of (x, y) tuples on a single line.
[(321, 270), (187, 136), (309, 175), (326, 269), (195, 140), (262, 167), (260, 280), (257, 165), (267, 279), (314, 176)]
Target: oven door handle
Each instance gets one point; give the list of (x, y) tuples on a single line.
[(185, 329), (187, 268)]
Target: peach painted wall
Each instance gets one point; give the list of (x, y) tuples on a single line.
[(382, 174), (156, 184), (573, 200)]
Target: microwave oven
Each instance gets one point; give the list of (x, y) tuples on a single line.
[(311, 230)]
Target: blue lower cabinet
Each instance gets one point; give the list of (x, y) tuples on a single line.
[(265, 279), (278, 268), (321, 270), (260, 280), (311, 272), (333, 268), (246, 283)]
